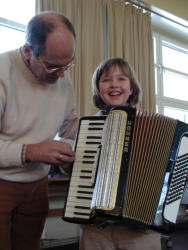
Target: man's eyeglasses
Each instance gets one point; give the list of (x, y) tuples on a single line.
[(51, 69)]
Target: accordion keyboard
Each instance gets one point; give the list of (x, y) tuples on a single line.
[(84, 169)]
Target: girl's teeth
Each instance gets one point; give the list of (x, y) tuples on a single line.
[(115, 93)]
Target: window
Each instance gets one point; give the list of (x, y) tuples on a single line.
[(14, 16), (171, 77)]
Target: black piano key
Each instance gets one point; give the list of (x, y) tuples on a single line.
[(85, 192), (82, 186), (90, 151), (81, 207), (84, 198), (79, 213), (96, 124), (85, 177), (89, 156), (86, 171), (95, 128), (94, 137), (93, 142), (88, 162)]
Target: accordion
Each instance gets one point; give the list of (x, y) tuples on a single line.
[(130, 167)]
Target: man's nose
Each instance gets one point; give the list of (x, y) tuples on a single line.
[(60, 73)]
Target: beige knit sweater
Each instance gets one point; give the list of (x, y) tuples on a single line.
[(30, 113)]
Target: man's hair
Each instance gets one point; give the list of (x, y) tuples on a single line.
[(40, 26), (105, 67)]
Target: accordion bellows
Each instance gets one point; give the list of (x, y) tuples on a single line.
[(130, 166)]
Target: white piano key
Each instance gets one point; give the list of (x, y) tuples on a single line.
[(79, 168), (85, 165), (88, 132), (86, 126), (87, 139), (79, 210), (80, 194), (87, 146), (79, 174), (86, 129), (77, 183), (78, 204), (91, 153), (87, 151), (82, 181), (80, 188), (89, 192), (79, 201), (86, 122), (72, 201), (72, 215), (81, 162), (87, 136), (82, 173)]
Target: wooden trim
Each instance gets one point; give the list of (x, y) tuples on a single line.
[(59, 179), (57, 195), (55, 212)]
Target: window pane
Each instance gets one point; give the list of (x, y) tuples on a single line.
[(10, 39), (175, 58), (156, 81), (19, 11), (179, 114), (175, 85), (154, 50)]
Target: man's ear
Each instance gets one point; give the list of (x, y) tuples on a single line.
[(27, 51)]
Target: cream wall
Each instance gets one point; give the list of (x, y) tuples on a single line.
[(176, 7)]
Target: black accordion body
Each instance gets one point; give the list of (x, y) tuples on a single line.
[(130, 167)]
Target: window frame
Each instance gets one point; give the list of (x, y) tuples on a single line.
[(11, 24), (161, 100)]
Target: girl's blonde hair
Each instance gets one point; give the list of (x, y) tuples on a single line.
[(104, 67)]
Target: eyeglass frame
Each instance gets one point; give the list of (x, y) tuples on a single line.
[(55, 69)]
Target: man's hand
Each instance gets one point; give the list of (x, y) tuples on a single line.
[(51, 152)]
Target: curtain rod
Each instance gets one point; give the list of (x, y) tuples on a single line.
[(158, 12)]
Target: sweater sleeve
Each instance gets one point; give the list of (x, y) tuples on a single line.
[(10, 152)]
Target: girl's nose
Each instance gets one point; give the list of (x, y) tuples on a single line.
[(114, 83)]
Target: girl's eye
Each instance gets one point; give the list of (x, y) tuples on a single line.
[(106, 79), (123, 79)]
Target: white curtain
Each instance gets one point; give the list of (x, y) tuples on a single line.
[(130, 37), (86, 16)]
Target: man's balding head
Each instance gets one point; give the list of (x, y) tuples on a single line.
[(41, 25)]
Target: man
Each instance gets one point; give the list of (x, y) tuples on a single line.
[(36, 103)]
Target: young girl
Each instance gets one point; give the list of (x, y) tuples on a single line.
[(114, 84)]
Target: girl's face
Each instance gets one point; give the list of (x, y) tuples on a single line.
[(114, 87)]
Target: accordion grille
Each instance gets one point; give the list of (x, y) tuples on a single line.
[(151, 145)]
